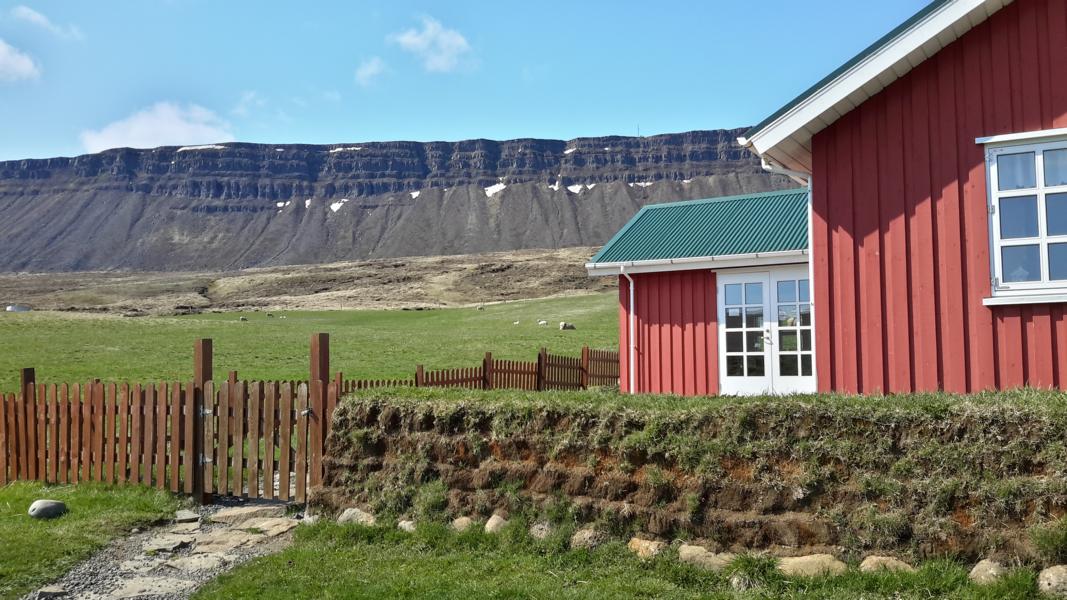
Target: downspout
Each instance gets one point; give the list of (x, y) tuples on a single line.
[(633, 332)]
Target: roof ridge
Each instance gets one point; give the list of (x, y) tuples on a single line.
[(734, 198)]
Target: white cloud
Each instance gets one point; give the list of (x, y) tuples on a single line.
[(16, 65), (369, 70), (250, 100), (440, 49), (27, 14), (162, 124)]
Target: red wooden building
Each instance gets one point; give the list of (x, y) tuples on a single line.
[(937, 167)]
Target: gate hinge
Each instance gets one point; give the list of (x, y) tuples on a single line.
[(305, 412), (206, 412), (206, 460)]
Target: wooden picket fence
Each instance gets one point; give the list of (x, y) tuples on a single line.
[(250, 439)]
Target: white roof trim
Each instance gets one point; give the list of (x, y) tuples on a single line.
[(787, 139), (730, 261), (1022, 137)]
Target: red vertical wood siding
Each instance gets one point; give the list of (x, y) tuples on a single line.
[(677, 339), (900, 224)]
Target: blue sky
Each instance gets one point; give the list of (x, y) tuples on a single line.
[(81, 76)]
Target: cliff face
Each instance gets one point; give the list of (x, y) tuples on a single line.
[(243, 205)]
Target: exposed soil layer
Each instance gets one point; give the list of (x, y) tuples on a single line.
[(925, 477)]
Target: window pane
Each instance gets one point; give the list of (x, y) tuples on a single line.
[(754, 317), (805, 365), (1016, 171), (755, 366), (733, 293), (787, 316), (1018, 217), (1021, 263), (735, 342), (804, 290), (787, 364), (753, 293), (805, 316), (1055, 167), (787, 291), (1057, 261), (787, 341), (805, 340), (735, 366), (1056, 214), (733, 318), (754, 341)]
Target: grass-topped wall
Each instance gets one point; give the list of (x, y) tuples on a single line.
[(922, 475)]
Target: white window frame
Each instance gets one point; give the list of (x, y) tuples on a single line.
[(1044, 290)]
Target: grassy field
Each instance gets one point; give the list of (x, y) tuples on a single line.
[(364, 343), (35, 552), (331, 561)]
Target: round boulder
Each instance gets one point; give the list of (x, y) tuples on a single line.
[(987, 572), (47, 509), (588, 539), (355, 515), (1053, 581), (885, 563)]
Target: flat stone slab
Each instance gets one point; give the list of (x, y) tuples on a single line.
[(811, 566), (873, 564), (186, 516), (137, 587), (222, 540), (270, 527), (52, 591), (240, 514), (199, 562), (143, 564), (185, 528), (167, 543), (703, 558)]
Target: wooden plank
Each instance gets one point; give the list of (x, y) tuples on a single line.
[(315, 426), (28, 431), (174, 453), (1039, 347), (97, 451), (86, 450), (161, 436), (285, 440), (222, 454), (239, 401), (109, 433), (136, 431), (6, 462), (254, 427), (207, 445), (41, 410), (270, 431), (188, 403), (63, 439), (74, 406), (123, 449), (148, 440), (53, 434), (302, 427)]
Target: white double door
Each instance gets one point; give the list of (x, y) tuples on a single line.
[(766, 343)]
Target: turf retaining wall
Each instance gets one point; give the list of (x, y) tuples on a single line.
[(913, 475)]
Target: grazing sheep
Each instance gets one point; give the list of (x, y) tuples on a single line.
[(282, 317), (542, 322), (243, 319), (481, 308), (515, 323), (565, 325), (270, 315)]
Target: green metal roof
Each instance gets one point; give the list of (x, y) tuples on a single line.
[(869, 50), (768, 222)]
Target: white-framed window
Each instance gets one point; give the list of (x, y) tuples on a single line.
[(1028, 216)]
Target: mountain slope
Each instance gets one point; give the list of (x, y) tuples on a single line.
[(245, 205)]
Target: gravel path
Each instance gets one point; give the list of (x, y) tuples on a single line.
[(170, 562)]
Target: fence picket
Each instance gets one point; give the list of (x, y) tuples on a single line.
[(239, 401), (207, 446), (6, 463), (315, 420), (124, 432), (301, 442), (269, 432), (285, 440), (174, 453), (223, 453), (188, 402), (109, 433), (254, 427), (136, 432)]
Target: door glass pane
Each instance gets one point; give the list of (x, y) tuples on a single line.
[(805, 316), (1057, 261), (787, 341), (1018, 217), (1016, 171), (1056, 214), (733, 293), (787, 316), (735, 366), (787, 291), (735, 341), (754, 317), (1055, 167), (754, 341), (787, 365), (733, 318), (805, 340), (803, 284), (755, 366), (753, 293), (805, 365), (1021, 263)]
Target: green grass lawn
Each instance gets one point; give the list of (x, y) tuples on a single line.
[(331, 561), (364, 343), (33, 552)]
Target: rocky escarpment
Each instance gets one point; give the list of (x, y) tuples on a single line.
[(244, 205)]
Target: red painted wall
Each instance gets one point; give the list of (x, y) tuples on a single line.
[(677, 339), (900, 221)]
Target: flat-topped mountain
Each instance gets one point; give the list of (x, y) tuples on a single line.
[(239, 205)]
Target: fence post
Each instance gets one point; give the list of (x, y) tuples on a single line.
[(487, 371), (420, 376), (541, 360), (203, 371), (27, 377), (320, 358), (585, 367)]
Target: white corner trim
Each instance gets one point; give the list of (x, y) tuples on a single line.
[(1025, 299), (1021, 137), (731, 261)]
